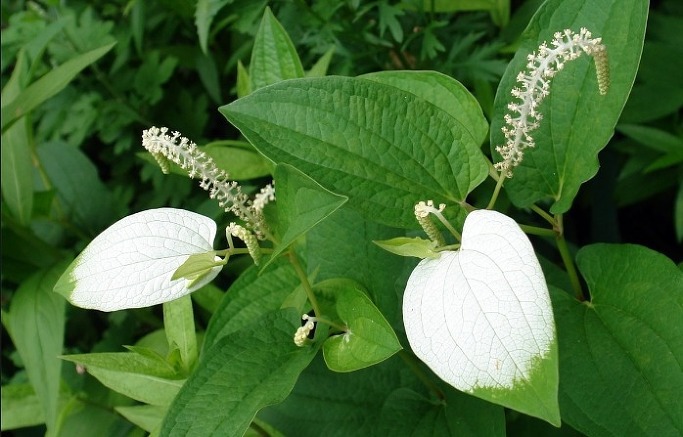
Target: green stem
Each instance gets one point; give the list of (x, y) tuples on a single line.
[(412, 363), (568, 261), (541, 232), (330, 323), (304, 282), (496, 192), (547, 217)]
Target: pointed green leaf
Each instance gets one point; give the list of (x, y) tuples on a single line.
[(302, 203), (274, 57), (368, 339), (577, 121), (16, 175), (481, 318), (131, 263), (37, 330), (180, 330), (243, 80), (197, 265), (381, 146), (204, 14), (242, 373), (48, 85), (621, 353), (319, 69), (406, 246), (137, 376)]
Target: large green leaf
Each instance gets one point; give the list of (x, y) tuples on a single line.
[(383, 147), (302, 204), (577, 121), (369, 338), (458, 414), (36, 321), (250, 297), (242, 373), (48, 85), (621, 353), (274, 57)]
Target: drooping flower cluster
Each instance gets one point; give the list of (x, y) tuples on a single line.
[(171, 146), (533, 85)]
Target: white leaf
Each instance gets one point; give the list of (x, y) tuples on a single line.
[(131, 263), (481, 317)]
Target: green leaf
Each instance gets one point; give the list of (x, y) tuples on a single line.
[(16, 174), (243, 81), (249, 298), (204, 14), (75, 178), (577, 121), (621, 353), (302, 203), (197, 265), (442, 91), (242, 373), (383, 147), (180, 330), (458, 414), (406, 246), (274, 57), (147, 417), (21, 407), (368, 339), (319, 69), (48, 85), (37, 330), (136, 376)]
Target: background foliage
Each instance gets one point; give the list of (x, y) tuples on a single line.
[(72, 165)]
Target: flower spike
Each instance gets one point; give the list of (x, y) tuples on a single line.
[(533, 85), (172, 147)]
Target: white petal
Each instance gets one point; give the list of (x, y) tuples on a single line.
[(480, 317), (131, 263)]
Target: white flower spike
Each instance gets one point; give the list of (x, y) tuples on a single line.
[(131, 263), (178, 149), (534, 86)]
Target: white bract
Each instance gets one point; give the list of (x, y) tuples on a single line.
[(131, 263), (481, 317)]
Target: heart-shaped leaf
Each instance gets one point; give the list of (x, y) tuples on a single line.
[(131, 263), (481, 318), (369, 339)]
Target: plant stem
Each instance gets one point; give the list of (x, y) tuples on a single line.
[(550, 219), (496, 191), (535, 230), (567, 260), (304, 282), (411, 361)]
